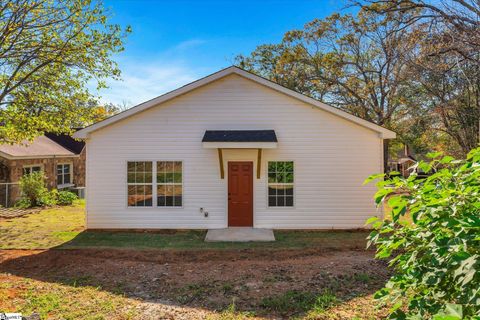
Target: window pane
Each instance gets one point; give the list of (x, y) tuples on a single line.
[(280, 201), (59, 179), (131, 177), (280, 183), (66, 178), (272, 190), (178, 201), (178, 167), (36, 169), (271, 166), (177, 178), (272, 177), (59, 169), (289, 177), (169, 166), (132, 195), (66, 168), (169, 177), (289, 190), (148, 177), (272, 201), (161, 166), (131, 166), (288, 166), (148, 166), (161, 177), (288, 201)]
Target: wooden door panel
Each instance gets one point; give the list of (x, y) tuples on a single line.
[(240, 194)]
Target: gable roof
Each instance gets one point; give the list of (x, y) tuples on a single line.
[(40, 147), (83, 134)]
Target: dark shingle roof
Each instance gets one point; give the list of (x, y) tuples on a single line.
[(239, 136), (67, 142)]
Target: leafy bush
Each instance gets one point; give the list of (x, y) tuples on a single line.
[(66, 198), (432, 239), (34, 193), (23, 203), (32, 188), (48, 198)]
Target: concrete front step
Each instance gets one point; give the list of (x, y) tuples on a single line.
[(239, 234)]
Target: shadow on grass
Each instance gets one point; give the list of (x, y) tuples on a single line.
[(284, 278)]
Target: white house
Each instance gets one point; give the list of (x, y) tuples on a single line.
[(232, 149)]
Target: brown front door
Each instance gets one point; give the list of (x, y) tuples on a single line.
[(240, 194)]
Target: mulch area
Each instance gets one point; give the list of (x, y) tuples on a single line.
[(8, 213)]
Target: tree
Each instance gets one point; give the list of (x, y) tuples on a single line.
[(448, 65), (457, 20), (356, 63), (49, 51)]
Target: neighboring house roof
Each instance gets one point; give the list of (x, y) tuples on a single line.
[(40, 147), (66, 141), (239, 136), (83, 134)]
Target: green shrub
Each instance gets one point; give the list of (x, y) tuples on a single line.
[(66, 198), (48, 198), (32, 188), (432, 239), (23, 203)]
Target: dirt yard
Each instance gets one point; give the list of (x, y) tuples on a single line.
[(206, 284)]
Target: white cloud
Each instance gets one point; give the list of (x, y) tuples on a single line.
[(143, 81)]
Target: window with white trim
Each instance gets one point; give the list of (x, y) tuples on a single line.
[(64, 174), (280, 184), (169, 184), (140, 183), (31, 169)]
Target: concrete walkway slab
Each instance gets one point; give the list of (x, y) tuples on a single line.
[(239, 234)]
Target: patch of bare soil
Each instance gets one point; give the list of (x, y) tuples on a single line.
[(209, 280)]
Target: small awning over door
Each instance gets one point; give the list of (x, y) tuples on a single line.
[(239, 139), (242, 139)]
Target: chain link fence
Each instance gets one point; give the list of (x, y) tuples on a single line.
[(9, 194)]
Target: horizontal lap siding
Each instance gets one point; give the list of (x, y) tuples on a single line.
[(332, 158)]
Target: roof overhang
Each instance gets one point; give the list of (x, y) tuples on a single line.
[(46, 156), (239, 139), (239, 145), (383, 132)]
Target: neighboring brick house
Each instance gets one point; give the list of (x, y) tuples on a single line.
[(60, 157)]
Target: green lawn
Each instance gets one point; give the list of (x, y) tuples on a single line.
[(63, 227)]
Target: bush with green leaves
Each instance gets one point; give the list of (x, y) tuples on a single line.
[(34, 193), (32, 189), (66, 198), (431, 236)]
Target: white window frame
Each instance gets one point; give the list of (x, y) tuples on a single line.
[(63, 184), (152, 184), (273, 183), (167, 184), (30, 166)]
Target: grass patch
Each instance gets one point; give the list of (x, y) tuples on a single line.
[(57, 301), (46, 229), (295, 302), (63, 227)]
